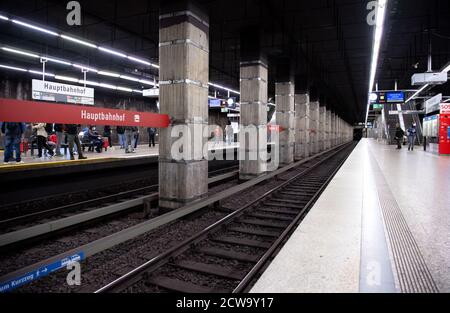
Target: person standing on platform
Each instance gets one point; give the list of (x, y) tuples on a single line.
[(412, 133), (129, 138), (59, 130), (121, 134), (399, 133), (73, 139), (229, 133), (151, 136), (13, 135), (136, 137), (107, 134), (42, 139)]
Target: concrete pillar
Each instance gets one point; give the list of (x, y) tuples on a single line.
[(314, 127), (328, 130), (302, 126), (322, 118), (184, 77), (285, 115), (253, 86), (333, 129)]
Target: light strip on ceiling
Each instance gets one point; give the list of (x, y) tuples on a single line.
[(112, 52), (72, 79), (80, 66), (4, 18), (417, 93), (40, 29), (378, 35), (32, 55)]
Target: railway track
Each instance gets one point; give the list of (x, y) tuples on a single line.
[(37, 224), (228, 255)]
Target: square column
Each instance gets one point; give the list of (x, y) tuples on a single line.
[(322, 118), (314, 127), (285, 117), (327, 129), (253, 128), (184, 77), (302, 127), (333, 129)]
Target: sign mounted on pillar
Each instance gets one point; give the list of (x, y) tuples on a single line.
[(56, 92)]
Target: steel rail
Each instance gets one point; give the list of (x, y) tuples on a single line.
[(133, 276)]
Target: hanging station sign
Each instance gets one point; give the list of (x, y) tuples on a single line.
[(151, 93), (56, 92)]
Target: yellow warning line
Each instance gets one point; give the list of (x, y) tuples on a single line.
[(13, 167)]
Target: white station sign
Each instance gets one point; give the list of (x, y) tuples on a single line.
[(151, 93), (51, 91)]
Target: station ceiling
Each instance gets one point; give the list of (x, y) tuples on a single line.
[(329, 41)]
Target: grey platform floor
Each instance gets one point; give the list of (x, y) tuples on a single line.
[(382, 225)]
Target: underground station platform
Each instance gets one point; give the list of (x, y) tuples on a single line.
[(223, 156)]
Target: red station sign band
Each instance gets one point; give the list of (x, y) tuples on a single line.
[(12, 110)]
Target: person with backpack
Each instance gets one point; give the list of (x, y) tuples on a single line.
[(73, 139), (41, 132), (59, 130), (151, 136), (399, 133), (412, 133), (13, 135)]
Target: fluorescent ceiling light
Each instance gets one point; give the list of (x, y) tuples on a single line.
[(58, 61), (83, 67), (380, 16), (108, 86), (447, 69), (21, 52), (66, 78), (112, 52), (108, 74), (88, 82), (40, 73), (417, 93), (81, 42), (155, 65), (139, 60), (4, 18), (35, 28), (138, 91), (224, 88), (134, 79), (13, 68), (125, 89), (147, 82)]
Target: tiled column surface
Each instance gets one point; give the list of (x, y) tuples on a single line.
[(322, 115), (254, 76), (328, 130), (302, 126), (314, 127), (285, 106), (184, 76)]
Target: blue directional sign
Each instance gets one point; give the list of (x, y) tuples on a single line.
[(39, 273), (395, 97)]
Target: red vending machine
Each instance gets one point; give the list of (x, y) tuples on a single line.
[(444, 129)]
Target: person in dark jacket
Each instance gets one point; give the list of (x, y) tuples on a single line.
[(121, 134), (72, 139), (107, 134), (399, 133), (151, 136), (13, 135), (130, 135)]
